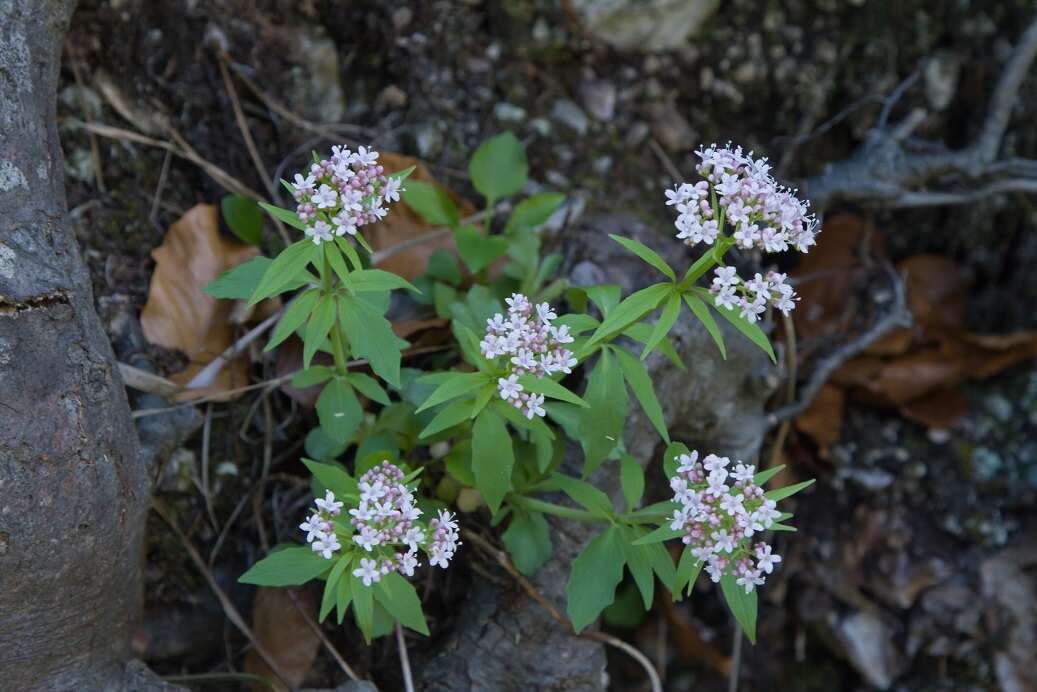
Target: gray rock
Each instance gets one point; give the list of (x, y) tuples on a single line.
[(652, 25), (868, 643), (672, 129), (509, 112), (599, 98), (570, 115), (426, 140), (315, 87), (941, 80)]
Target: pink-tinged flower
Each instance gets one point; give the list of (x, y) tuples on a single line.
[(509, 387), (329, 504), (304, 186)]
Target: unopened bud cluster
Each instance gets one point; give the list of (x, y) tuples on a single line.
[(721, 510), (532, 346), (343, 193)]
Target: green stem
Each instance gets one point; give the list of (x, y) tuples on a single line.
[(531, 503), (337, 348)]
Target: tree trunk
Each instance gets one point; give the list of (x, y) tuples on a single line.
[(73, 492)]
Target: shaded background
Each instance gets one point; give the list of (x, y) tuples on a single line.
[(914, 565)]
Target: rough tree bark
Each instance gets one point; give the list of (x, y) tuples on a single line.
[(73, 490), (508, 642)]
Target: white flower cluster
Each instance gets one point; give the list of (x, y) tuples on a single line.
[(341, 194), (532, 345), (386, 527), (718, 519), (751, 297), (738, 192)]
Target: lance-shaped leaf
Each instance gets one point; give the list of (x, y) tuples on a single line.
[(338, 410), (632, 309), (371, 337), (636, 375), (595, 574), (286, 567), (645, 253), (458, 384), (550, 388), (702, 313), (287, 269), (493, 458), (743, 605)]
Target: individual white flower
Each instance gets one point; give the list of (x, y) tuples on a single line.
[(391, 190), (743, 473), (749, 581), (325, 197), (329, 504), (368, 572), (534, 406), (344, 224), (319, 232), (304, 186), (509, 387), (365, 156), (314, 528), (765, 559), (326, 546), (406, 562)]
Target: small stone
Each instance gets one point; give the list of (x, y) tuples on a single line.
[(868, 642), (391, 97), (402, 17), (599, 98), (426, 140), (541, 126), (469, 500), (644, 25), (602, 164), (636, 134), (999, 407), (941, 80), (509, 112), (570, 115), (871, 479), (672, 130)]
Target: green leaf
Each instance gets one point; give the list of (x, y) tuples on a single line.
[(702, 313), (641, 333), (528, 540), (631, 479), (432, 203), (743, 605), (317, 329), (333, 478), (601, 425), (700, 267), (645, 253), (285, 270), (751, 331), (343, 596), (288, 217), (663, 533), (319, 445), (338, 410), (581, 492), (605, 296), (240, 282), (636, 306), (639, 562), (533, 211), (363, 606), (483, 397), (498, 167), (662, 564), (787, 491), (477, 250), (764, 476), (371, 337), (366, 280), (548, 387), (311, 376), (286, 567), (401, 600), (687, 574), (243, 218), (452, 414), (458, 384), (294, 315), (369, 387), (664, 324), (349, 251), (443, 265), (331, 586), (595, 574), (492, 458), (404, 174), (636, 375)]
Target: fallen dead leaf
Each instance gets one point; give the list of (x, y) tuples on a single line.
[(404, 224), (179, 314), (823, 420), (285, 633)]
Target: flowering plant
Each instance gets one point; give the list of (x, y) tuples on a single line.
[(497, 418)]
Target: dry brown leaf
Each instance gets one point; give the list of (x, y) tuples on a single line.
[(937, 291), (823, 420), (940, 408), (285, 634), (179, 314), (403, 224), (826, 276)]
